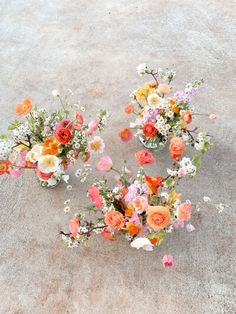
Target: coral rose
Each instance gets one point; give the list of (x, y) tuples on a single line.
[(24, 108), (73, 226), (63, 135), (114, 219), (125, 134), (187, 117), (129, 108), (184, 211), (158, 217), (176, 147), (149, 129), (144, 157)]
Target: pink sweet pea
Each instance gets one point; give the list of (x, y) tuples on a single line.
[(94, 194), (92, 127), (105, 164), (168, 261)]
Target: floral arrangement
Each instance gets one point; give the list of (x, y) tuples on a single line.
[(49, 142), (162, 114), (142, 209)]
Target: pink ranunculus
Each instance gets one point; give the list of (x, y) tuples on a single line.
[(92, 126), (94, 194), (184, 211), (182, 172), (73, 226), (66, 123), (168, 261), (212, 116), (105, 164)]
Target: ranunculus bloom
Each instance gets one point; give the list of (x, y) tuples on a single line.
[(94, 194), (79, 118), (177, 147), (184, 211), (132, 228), (105, 164), (24, 108), (125, 134), (129, 108), (158, 217), (167, 261), (48, 163), (140, 204), (108, 235), (154, 183), (144, 157), (114, 219), (97, 145), (73, 226), (51, 146), (34, 153), (4, 166), (143, 243), (42, 175), (187, 117), (149, 129), (164, 89), (63, 135), (92, 127), (66, 123)]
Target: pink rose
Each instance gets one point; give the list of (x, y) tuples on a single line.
[(168, 261), (92, 127), (184, 211), (105, 164), (94, 194)]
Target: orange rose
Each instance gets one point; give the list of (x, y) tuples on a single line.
[(129, 108), (24, 108), (149, 129), (132, 228), (158, 217), (187, 117), (176, 147), (114, 219)]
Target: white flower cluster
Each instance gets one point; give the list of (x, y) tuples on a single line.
[(202, 140), (141, 69), (82, 174), (162, 126), (5, 149), (21, 133), (187, 164), (69, 242), (166, 75)]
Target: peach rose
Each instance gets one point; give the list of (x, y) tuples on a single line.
[(187, 117), (176, 147), (114, 219), (144, 157), (158, 217), (184, 211)]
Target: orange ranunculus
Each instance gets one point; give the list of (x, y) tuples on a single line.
[(114, 219), (132, 228), (173, 105), (129, 108), (25, 107), (63, 135), (176, 147), (149, 129), (154, 183), (129, 211), (51, 146), (187, 117), (158, 217)]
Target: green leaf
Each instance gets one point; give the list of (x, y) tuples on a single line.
[(197, 161), (4, 137), (170, 182), (13, 125)]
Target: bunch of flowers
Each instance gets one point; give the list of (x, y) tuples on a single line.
[(162, 114), (49, 142)]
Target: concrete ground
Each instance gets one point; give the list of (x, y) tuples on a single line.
[(93, 48)]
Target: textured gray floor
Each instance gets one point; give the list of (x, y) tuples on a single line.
[(93, 48)]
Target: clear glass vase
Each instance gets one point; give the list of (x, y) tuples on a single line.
[(153, 144)]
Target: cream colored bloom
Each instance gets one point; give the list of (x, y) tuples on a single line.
[(97, 145), (34, 154), (48, 163), (153, 99), (143, 243)]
